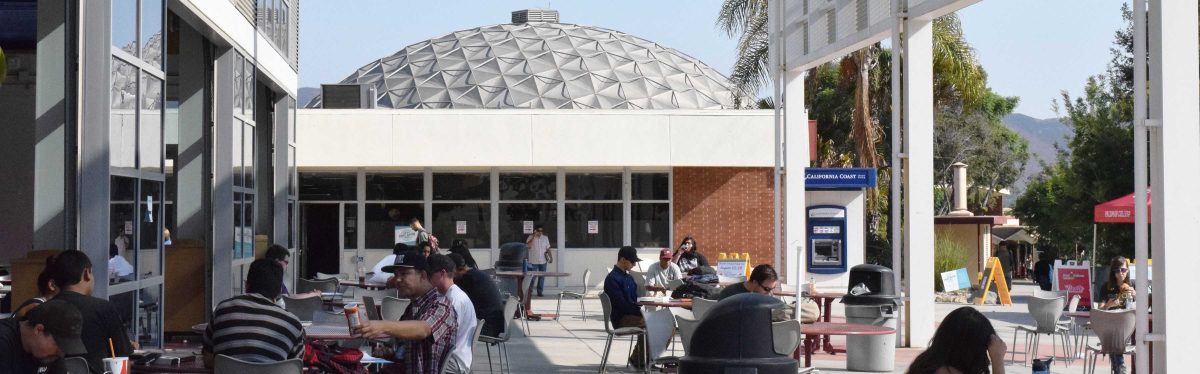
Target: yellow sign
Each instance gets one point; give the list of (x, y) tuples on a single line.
[(994, 274)]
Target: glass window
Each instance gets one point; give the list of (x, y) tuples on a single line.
[(475, 219), (650, 186), (248, 146), (123, 194), (237, 82), (236, 153), (248, 87), (467, 186), (593, 225), (152, 27), (328, 186), (294, 186), (150, 238), (651, 225), (513, 217), (522, 186), (592, 186), (124, 25), (409, 186), (150, 134), (122, 123), (237, 225), (382, 220), (350, 217)]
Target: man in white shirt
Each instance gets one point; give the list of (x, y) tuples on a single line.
[(539, 254), (660, 275), (380, 275), (443, 269), (118, 267)]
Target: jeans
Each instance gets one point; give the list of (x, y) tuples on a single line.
[(541, 281), (1117, 361)]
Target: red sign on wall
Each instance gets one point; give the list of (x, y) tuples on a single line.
[(1077, 281)]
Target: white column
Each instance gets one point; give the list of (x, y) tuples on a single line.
[(1176, 90), (918, 181), (796, 144)]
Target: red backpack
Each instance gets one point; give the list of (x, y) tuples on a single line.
[(433, 243)]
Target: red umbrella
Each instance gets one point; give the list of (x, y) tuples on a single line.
[(1119, 210)]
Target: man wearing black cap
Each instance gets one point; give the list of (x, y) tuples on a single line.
[(622, 292), (430, 325), (46, 333), (101, 321)]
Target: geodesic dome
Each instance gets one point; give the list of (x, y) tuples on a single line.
[(542, 65)]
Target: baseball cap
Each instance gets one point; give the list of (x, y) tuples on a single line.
[(665, 254), (628, 253), (409, 259), (62, 321)]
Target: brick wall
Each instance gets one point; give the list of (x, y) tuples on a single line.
[(727, 209)]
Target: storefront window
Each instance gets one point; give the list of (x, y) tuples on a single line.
[(593, 186), (408, 186), (651, 225), (465, 186), (468, 221), (650, 186), (517, 220), (382, 220), (528, 186), (593, 225), (328, 187)]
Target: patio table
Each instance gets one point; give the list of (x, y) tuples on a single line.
[(528, 301), (194, 365), (825, 301), (672, 303), (814, 331)]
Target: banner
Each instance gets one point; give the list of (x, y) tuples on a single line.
[(1076, 279), (406, 235)]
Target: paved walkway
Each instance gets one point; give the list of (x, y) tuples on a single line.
[(574, 344)]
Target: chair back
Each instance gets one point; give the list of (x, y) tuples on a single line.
[(323, 285), (393, 308), (700, 307), (606, 304), (302, 308), (447, 354), (323, 276), (687, 327), (660, 324), (1050, 294), (226, 364), (1046, 312), (475, 337), (587, 281), (525, 282), (786, 335), (360, 293), (75, 365), (1074, 304), (1113, 329), (639, 278), (510, 309)]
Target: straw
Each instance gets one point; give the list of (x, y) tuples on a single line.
[(110, 348)]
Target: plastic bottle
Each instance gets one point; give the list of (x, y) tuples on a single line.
[(525, 265)]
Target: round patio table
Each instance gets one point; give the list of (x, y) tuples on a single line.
[(528, 301), (195, 365), (814, 331), (825, 301), (672, 303)]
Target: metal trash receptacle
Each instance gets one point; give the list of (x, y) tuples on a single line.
[(871, 352)]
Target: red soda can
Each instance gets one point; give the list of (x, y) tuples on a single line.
[(352, 317)]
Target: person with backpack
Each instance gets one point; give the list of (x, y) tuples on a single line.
[(424, 236)]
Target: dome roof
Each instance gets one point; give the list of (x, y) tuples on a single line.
[(539, 65)]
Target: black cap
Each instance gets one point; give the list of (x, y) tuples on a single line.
[(62, 321), (628, 253), (410, 259)]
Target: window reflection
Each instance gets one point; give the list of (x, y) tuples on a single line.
[(513, 218), (592, 186), (528, 186), (468, 221), (594, 225), (383, 219), (470, 186), (124, 25)]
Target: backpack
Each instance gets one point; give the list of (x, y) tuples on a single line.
[(334, 359), (433, 243), (690, 290)]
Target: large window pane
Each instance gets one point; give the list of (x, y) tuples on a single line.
[(350, 222), (592, 186), (237, 82), (248, 145), (476, 220), (124, 25), (235, 152), (248, 76), (122, 124), (650, 186), (468, 186), (149, 259), (237, 225), (328, 186), (651, 225), (293, 185), (148, 316), (521, 186), (150, 134), (604, 218), (121, 221), (409, 186), (382, 220), (152, 27), (514, 216)]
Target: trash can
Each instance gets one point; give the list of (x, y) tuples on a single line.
[(871, 299), (736, 337)]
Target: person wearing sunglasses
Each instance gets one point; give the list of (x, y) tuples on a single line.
[(763, 280), (1117, 288)]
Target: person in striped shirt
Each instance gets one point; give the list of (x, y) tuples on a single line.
[(430, 325), (251, 327)]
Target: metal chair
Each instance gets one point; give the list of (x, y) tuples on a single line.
[(359, 294), (587, 282), (393, 308), (510, 307), (73, 365), (660, 327), (700, 307), (687, 327), (639, 278), (446, 368), (525, 282), (1046, 313), (786, 335), (323, 276), (323, 285), (1051, 294), (631, 332), (1113, 329), (302, 308), (226, 364)]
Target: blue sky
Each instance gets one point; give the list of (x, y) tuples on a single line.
[(1033, 56)]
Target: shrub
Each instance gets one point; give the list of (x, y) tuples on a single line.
[(947, 255)]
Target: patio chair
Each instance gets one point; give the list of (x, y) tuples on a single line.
[(1113, 329), (1046, 313), (359, 294), (687, 327), (302, 308), (660, 328), (226, 364), (1051, 294), (631, 332), (393, 308), (510, 307), (587, 282), (700, 307), (323, 276), (639, 278), (323, 285), (786, 335)]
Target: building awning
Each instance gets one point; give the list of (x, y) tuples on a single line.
[(1119, 210)]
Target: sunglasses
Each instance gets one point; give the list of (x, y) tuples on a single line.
[(765, 288), (1121, 270)]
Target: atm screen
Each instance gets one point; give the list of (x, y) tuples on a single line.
[(827, 252)]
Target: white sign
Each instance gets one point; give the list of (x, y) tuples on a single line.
[(527, 227), (460, 227), (593, 227), (731, 268), (955, 279), (406, 235), (128, 227)]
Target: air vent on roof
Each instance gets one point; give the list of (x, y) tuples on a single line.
[(535, 15), (347, 96)]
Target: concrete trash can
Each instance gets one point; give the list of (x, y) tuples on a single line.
[(871, 352)]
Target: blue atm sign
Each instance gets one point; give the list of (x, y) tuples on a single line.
[(841, 178)]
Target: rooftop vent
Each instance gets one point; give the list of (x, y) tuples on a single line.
[(347, 96), (535, 15)]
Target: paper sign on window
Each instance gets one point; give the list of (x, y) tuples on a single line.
[(593, 227), (406, 235), (527, 227), (460, 227)]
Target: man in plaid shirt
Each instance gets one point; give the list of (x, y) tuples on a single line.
[(429, 325)]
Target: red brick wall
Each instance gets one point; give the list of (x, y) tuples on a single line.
[(727, 209)]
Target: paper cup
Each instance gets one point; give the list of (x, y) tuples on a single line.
[(117, 365)]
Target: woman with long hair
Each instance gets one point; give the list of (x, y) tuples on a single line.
[(1117, 287), (964, 343), (688, 256)]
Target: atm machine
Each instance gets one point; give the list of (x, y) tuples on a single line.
[(836, 224), (827, 239)]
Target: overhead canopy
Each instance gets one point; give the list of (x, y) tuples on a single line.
[(1119, 210)]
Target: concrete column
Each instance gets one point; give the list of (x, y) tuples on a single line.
[(95, 65), (960, 191), (279, 199), (796, 159), (193, 118), (222, 171), (1176, 89), (54, 192), (918, 181)]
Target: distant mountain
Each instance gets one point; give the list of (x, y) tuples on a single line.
[(306, 94), (1042, 135)]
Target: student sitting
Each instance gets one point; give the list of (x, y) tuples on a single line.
[(251, 327)]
